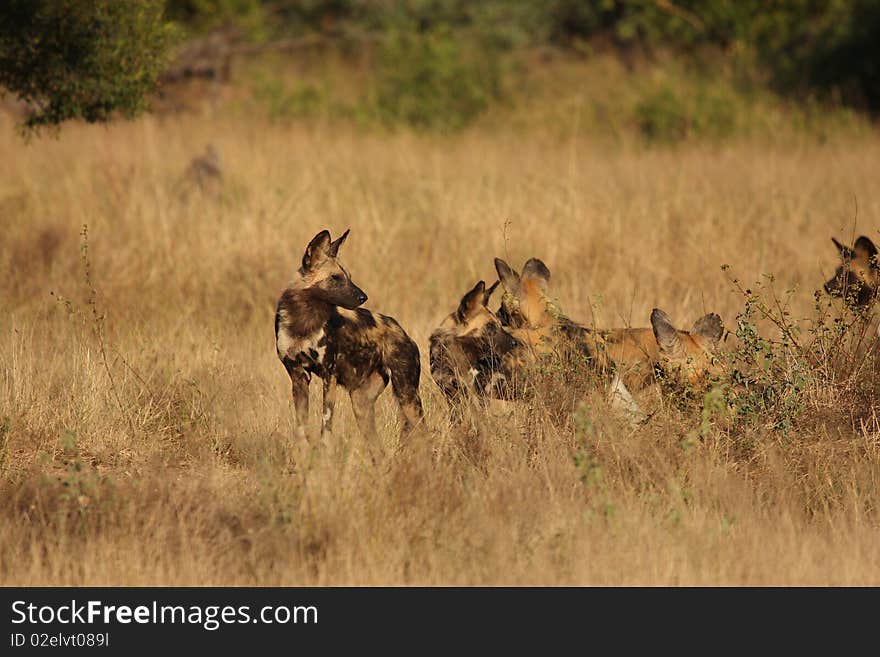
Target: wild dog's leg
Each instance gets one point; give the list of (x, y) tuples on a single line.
[(299, 380), (411, 415), (329, 402), (620, 399), (405, 372), (363, 401)]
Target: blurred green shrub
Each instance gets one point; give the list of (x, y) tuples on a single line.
[(281, 102), (670, 115), (436, 81)]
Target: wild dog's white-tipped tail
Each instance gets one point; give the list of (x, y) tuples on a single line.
[(620, 398)]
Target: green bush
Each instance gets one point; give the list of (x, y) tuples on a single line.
[(433, 81), (669, 115), (662, 116), (283, 103)]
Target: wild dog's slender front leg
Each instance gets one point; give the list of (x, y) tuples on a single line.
[(299, 380), (329, 403), (411, 415), (363, 401)]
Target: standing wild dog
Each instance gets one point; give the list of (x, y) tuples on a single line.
[(687, 358), (469, 349), (319, 329), (634, 352), (543, 330)]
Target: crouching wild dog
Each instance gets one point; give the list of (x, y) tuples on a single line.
[(469, 349), (320, 329), (543, 330), (634, 353), (687, 358)]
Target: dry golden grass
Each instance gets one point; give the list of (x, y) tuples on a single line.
[(150, 442)]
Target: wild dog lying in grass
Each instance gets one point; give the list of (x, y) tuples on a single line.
[(687, 358), (543, 331), (319, 329), (469, 349), (634, 352)]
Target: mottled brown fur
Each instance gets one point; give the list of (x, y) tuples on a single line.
[(469, 348), (320, 330), (857, 282), (857, 279)]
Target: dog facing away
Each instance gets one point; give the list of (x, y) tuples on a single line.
[(470, 348), (320, 329), (687, 358)]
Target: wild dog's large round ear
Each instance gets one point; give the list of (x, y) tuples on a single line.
[(536, 270), (845, 251), (664, 332), (471, 301), (316, 251), (509, 278), (488, 293), (333, 249), (865, 247), (709, 327)]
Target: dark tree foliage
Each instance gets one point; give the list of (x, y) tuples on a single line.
[(91, 59), (86, 59)]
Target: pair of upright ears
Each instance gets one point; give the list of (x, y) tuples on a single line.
[(533, 270), (322, 248), (477, 298), (709, 327), (863, 248)]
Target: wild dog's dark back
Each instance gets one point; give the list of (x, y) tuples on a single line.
[(363, 342)]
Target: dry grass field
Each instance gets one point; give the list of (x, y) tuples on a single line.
[(146, 422)]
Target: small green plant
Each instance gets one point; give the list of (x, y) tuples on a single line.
[(95, 319), (769, 374), (714, 406), (584, 456), (79, 483)]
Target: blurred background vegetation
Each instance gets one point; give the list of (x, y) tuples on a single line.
[(665, 70)]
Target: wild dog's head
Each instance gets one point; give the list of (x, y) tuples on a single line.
[(470, 343), (857, 279), (688, 357), (473, 319), (525, 303), (323, 276)]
